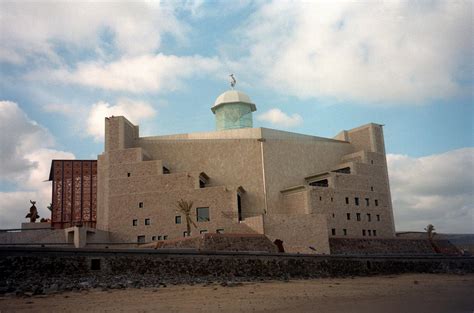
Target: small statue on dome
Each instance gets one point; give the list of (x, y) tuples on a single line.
[(233, 81), (33, 215)]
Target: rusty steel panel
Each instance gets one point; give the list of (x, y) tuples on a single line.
[(74, 193)]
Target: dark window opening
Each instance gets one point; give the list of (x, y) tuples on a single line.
[(369, 217), (202, 183), (356, 200), (375, 232), (320, 183), (367, 201), (371, 161), (147, 221), (358, 216), (165, 237), (202, 214), (166, 170), (347, 200), (128, 174), (333, 231), (320, 198), (370, 233), (345, 170), (371, 188), (363, 232), (333, 215), (95, 264), (348, 216), (177, 219), (239, 207), (378, 218), (159, 237), (376, 202), (332, 199), (345, 232), (153, 238), (135, 222), (140, 204), (141, 239)]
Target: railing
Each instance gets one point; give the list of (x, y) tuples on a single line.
[(11, 230)]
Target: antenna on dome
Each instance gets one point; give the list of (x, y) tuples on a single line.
[(233, 81)]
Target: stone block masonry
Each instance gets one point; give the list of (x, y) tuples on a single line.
[(50, 270)]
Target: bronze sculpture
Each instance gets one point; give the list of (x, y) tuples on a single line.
[(33, 215)]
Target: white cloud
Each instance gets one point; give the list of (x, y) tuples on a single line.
[(26, 156), (135, 111), (395, 52), (34, 28), (134, 74), (279, 118), (436, 189)]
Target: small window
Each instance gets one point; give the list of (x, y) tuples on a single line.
[(332, 199), (333, 215), (220, 231), (147, 221), (363, 232), (185, 234), (202, 183), (358, 216), (204, 231), (375, 232), (320, 198), (159, 237), (165, 237), (128, 174), (378, 218), (348, 216), (356, 200), (141, 239), (153, 238), (367, 201), (347, 200), (370, 233), (333, 231), (320, 183), (344, 231), (177, 219), (371, 188), (369, 217), (135, 222), (140, 204), (376, 202), (166, 170), (202, 214), (371, 161)]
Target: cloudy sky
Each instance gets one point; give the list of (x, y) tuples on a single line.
[(313, 68)]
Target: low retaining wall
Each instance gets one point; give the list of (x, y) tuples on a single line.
[(40, 270)]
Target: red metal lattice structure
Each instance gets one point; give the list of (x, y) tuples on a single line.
[(74, 193)]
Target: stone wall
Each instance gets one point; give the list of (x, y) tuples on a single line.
[(45, 269)]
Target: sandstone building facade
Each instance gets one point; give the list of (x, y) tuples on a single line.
[(298, 188)]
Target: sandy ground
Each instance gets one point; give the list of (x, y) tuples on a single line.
[(405, 293)]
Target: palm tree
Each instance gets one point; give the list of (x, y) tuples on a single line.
[(430, 231), (185, 208)]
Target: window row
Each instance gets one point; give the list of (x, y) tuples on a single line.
[(365, 232), (135, 222), (159, 237), (359, 217), (367, 201), (204, 231)]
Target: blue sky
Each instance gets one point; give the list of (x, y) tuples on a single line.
[(313, 68)]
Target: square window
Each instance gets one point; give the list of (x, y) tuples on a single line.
[(376, 202), (140, 204), (153, 238), (141, 239), (202, 214), (369, 217), (378, 218), (159, 237), (220, 231), (356, 200), (177, 219), (375, 232), (348, 216), (333, 231), (165, 237), (367, 201), (347, 200), (345, 232), (135, 222), (358, 216), (204, 231), (147, 221), (363, 232)]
